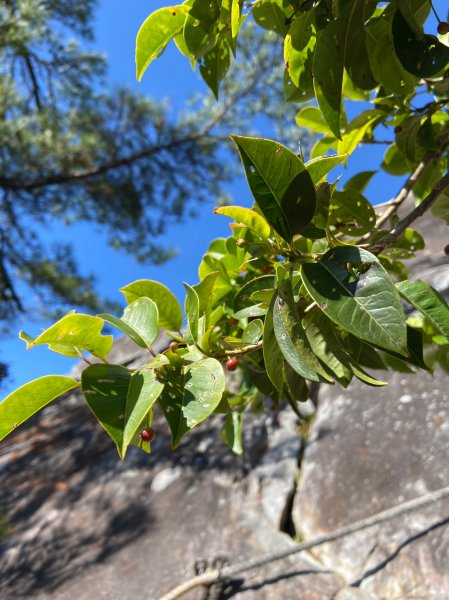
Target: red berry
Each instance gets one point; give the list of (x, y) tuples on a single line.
[(446, 250), (266, 269), (443, 27), (397, 129), (147, 435), (232, 364), (233, 321)]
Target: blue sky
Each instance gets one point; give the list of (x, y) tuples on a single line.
[(169, 77)]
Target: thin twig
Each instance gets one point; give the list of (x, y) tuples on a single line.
[(417, 212), (245, 350), (376, 519), (393, 205)]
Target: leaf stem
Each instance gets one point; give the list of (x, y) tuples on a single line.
[(245, 349)]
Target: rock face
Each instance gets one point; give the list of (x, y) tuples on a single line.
[(77, 522)]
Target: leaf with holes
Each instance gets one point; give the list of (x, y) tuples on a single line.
[(77, 331), (191, 394), (351, 213)]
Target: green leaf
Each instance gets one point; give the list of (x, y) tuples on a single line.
[(30, 398), (328, 66), (359, 181), (357, 129), (270, 14), (281, 186), (214, 66), (356, 54), (205, 292), (231, 433), (298, 51), (395, 163), (406, 246), (428, 301), (351, 213), (320, 332), (354, 290), (385, 65), (236, 12), (422, 55), (79, 331), (292, 339), (192, 309), (310, 117), (59, 348), (273, 357), (155, 33), (249, 218), (140, 321), (406, 140), (253, 332), (319, 167), (170, 312), (243, 298), (119, 399), (191, 394)]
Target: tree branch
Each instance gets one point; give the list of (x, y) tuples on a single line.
[(34, 83), (404, 192), (417, 212)]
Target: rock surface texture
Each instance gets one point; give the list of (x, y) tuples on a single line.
[(75, 522)]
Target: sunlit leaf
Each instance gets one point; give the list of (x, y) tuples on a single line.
[(354, 291), (170, 312), (30, 398), (155, 33)]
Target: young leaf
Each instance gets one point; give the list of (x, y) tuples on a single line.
[(428, 301), (192, 309), (170, 312), (319, 167), (140, 321), (120, 399), (298, 51), (155, 33), (247, 217), (354, 290), (280, 183), (79, 331), (30, 398)]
